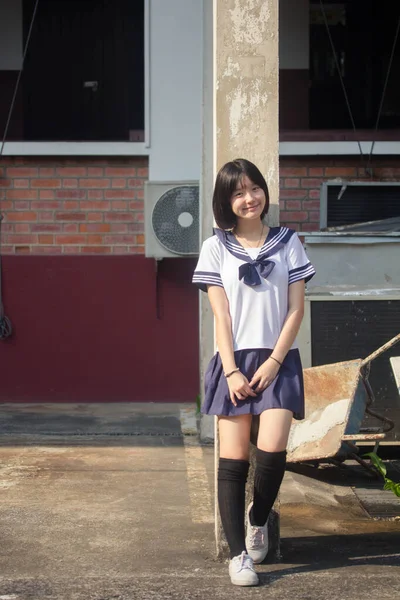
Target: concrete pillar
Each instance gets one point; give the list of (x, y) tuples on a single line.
[(207, 432), (240, 93), (246, 95)]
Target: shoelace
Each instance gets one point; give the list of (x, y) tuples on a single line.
[(257, 536), (245, 562)]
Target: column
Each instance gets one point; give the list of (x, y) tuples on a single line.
[(240, 120)]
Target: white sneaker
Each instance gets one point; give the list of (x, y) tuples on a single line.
[(241, 570), (256, 539)]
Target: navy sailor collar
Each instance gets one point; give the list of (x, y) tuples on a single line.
[(277, 237), (253, 269)]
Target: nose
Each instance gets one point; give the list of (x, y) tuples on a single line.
[(250, 197)]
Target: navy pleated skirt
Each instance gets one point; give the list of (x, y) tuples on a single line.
[(286, 391)]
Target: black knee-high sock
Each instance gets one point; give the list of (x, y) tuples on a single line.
[(232, 476), (270, 468)]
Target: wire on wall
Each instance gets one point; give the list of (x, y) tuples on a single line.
[(346, 97), (10, 112), (368, 169), (5, 323), (384, 88)]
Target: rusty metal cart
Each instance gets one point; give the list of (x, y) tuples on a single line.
[(338, 396)]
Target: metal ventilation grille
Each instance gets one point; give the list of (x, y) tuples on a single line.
[(175, 220), (345, 330), (362, 203)]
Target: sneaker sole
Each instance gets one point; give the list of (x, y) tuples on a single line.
[(244, 583)]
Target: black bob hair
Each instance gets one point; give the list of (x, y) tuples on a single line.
[(228, 178)]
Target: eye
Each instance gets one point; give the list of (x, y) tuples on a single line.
[(255, 188), (238, 193)]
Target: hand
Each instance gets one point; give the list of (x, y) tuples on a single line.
[(264, 375), (239, 387)]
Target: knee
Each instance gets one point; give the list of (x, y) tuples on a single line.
[(235, 454), (271, 448), (234, 447)]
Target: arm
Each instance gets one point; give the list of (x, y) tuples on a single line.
[(269, 369), (237, 383), (292, 322)]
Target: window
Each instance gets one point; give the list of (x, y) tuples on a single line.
[(363, 33), (83, 78)]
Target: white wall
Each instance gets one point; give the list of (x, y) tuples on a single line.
[(175, 89), (10, 35), (176, 79), (294, 34)]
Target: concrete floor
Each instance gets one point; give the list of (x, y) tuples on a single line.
[(97, 515)]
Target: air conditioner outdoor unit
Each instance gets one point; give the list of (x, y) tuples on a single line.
[(345, 202), (171, 219)]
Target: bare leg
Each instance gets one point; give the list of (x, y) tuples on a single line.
[(234, 437), (274, 429)]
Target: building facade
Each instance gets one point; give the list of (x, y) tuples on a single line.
[(109, 99)]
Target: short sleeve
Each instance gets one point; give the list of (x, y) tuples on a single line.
[(298, 263), (207, 271)]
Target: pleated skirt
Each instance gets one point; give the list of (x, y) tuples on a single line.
[(286, 391)]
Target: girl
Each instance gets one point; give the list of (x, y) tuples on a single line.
[(255, 277)]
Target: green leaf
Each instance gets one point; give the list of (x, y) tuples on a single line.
[(380, 466), (377, 462), (392, 486), (198, 404)]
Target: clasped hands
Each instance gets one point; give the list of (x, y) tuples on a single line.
[(240, 387)]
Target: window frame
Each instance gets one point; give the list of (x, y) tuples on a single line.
[(343, 148), (93, 148)]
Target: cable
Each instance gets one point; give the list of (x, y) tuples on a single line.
[(384, 89), (340, 75), (10, 112), (5, 323)]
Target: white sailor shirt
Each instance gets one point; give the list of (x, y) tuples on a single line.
[(255, 280)]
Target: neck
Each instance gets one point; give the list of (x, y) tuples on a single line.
[(248, 228)]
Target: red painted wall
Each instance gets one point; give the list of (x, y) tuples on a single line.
[(86, 330), (80, 293)]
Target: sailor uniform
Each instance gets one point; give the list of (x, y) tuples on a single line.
[(256, 282)]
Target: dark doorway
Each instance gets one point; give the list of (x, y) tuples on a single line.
[(84, 70)]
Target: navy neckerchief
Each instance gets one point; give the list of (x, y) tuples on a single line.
[(252, 270)]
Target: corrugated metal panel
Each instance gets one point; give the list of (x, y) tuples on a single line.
[(345, 330), (362, 203)]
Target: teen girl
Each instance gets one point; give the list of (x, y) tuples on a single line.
[(255, 277)]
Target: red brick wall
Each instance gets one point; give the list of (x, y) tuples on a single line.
[(72, 206), (301, 179), (95, 206)]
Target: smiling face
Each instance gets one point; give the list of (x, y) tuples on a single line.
[(248, 200), (239, 190)]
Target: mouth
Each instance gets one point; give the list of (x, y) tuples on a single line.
[(252, 208)]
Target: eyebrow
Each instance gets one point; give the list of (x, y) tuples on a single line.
[(239, 186)]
